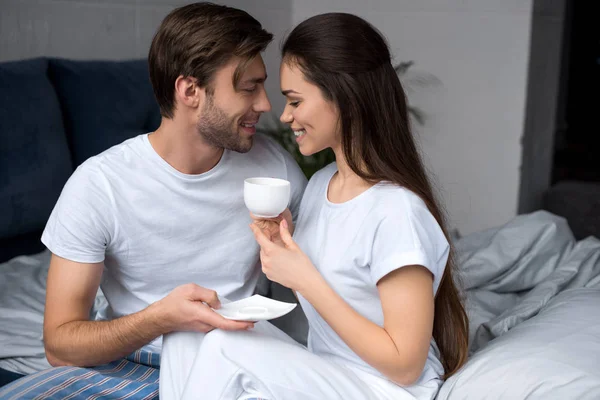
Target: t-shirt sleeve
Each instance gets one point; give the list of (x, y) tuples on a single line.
[(298, 183), (80, 224), (409, 236)]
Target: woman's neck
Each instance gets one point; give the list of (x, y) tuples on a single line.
[(345, 183)]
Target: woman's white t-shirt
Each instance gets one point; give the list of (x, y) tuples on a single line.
[(356, 243)]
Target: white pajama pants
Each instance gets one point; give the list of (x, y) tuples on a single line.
[(260, 363)]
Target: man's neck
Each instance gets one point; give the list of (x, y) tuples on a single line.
[(183, 148)]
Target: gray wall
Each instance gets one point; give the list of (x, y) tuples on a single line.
[(487, 156)]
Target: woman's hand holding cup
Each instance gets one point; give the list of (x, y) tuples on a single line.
[(270, 226), (268, 199)]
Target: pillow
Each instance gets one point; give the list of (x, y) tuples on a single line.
[(103, 103), (551, 356), (34, 156)]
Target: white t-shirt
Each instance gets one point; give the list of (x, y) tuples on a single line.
[(156, 228), (356, 243)]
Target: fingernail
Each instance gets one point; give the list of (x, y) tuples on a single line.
[(284, 222)]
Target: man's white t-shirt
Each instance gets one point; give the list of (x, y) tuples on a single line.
[(356, 243), (156, 228)]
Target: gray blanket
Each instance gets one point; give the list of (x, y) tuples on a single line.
[(533, 299), (511, 272)]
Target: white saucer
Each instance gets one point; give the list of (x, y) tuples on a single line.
[(255, 308)]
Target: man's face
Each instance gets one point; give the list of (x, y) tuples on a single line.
[(229, 115)]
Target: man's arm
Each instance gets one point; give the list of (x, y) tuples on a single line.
[(71, 339)]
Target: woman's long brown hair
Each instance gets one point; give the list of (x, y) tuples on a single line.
[(349, 60)]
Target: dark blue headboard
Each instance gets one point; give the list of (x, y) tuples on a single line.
[(54, 114)]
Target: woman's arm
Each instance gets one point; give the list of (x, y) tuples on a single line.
[(399, 349)]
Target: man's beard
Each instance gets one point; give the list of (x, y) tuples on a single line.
[(220, 131)]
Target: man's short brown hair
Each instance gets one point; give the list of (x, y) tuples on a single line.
[(195, 41)]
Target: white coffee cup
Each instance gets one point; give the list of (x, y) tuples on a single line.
[(266, 197)]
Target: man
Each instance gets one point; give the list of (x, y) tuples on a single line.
[(159, 221)]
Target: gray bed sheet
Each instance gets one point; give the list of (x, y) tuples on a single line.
[(22, 298)]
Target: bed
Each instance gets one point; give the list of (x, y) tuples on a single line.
[(533, 299), (532, 295), (531, 287)]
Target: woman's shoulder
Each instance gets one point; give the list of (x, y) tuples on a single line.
[(322, 176), (401, 209), (398, 197), (326, 172), (400, 205)]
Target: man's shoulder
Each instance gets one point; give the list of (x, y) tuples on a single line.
[(114, 155), (114, 161), (268, 157), (265, 152), (265, 143)]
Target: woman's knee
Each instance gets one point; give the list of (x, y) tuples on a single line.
[(178, 342)]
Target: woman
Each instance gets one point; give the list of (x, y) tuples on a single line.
[(370, 261)]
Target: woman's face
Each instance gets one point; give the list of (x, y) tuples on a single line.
[(313, 119)]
